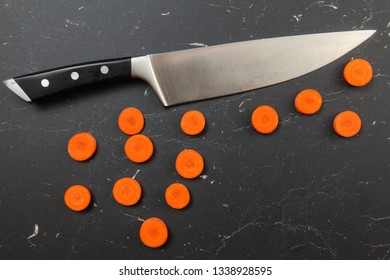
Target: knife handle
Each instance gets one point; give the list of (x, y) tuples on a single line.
[(33, 86)]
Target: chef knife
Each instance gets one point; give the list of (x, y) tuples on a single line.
[(202, 73)]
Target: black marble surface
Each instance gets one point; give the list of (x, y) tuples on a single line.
[(300, 193)]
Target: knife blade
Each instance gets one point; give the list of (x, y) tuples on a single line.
[(202, 73)]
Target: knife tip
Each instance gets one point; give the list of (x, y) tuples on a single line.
[(369, 32)]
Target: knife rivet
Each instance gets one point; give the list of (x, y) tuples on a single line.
[(45, 82), (74, 75), (104, 69)]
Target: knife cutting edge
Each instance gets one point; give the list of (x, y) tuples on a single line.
[(202, 73)]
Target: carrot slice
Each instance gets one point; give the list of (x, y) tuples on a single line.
[(347, 124), (177, 196), (189, 164), (153, 233), (192, 122), (127, 191), (308, 101), (131, 121), (139, 148), (265, 119), (77, 197), (81, 146), (358, 72)]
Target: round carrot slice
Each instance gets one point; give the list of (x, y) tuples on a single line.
[(358, 72), (81, 146), (177, 196), (127, 191), (131, 121), (347, 124), (153, 233), (192, 122), (77, 197), (265, 119), (308, 101), (139, 148), (189, 164)]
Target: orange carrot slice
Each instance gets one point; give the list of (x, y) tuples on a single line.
[(189, 164), (265, 119), (358, 72), (153, 233), (177, 196), (192, 122), (139, 148), (131, 121), (127, 191), (308, 101), (347, 124), (82, 146), (77, 197)]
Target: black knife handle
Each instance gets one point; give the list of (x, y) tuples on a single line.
[(44, 83)]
